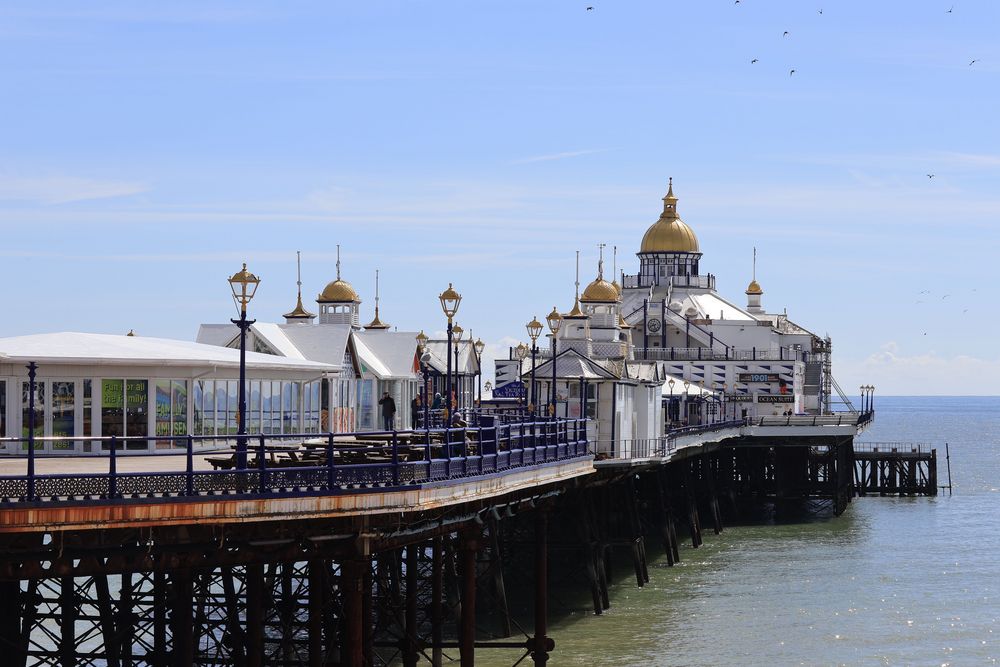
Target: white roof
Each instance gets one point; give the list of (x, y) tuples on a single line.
[(438, 351), (711, 306), (678, 391), (387, 354), (325, 343), (107, 349), (569, 364)]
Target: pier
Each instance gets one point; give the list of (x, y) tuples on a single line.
[(370, 548), (895, 468)]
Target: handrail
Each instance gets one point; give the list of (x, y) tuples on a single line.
[(330, 463)]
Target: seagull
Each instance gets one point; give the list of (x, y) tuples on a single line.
[(973, 62), (945, 297), (786, 34), (926, 291), (791, 72), (949, 11), (753, 61), (930, 175), (821, 11), (590, 9)]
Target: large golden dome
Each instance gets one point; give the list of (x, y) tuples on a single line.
[(339, 291), (669, 233), (599, 290)]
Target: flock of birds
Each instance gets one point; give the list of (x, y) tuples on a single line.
[(791, 72)]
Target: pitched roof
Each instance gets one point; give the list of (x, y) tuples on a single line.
[(570, 364)]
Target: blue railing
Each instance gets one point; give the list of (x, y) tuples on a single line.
[(304, 464)]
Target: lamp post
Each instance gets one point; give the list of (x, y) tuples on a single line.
[(32, 370), (450, 300), (534, 328), (687, 408), (458, 331), (244, 285), (424, 362), (670, 406), (554, 320), (520, 352), (725, 389), (479, 346)]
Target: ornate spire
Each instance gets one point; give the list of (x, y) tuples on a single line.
[(338, 261), (600, 261), (669, 203), (376, 323), (576, 312), (614, 269), (299, 313)]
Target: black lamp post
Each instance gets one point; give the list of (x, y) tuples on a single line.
[(534, 328), (479, 346), (32, 370), (421, 351), (554, 320), (520, 352), (450, 300), (458, 331), (244, 285)]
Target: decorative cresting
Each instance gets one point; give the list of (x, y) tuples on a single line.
[(669, 233), (339, 291), (600, 290)]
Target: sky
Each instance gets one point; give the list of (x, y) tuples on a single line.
[(148, 148)]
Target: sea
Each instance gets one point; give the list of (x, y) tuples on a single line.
[(892, 581)]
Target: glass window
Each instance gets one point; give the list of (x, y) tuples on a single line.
[(233, 399), (88, 404), (3, 409), (199, 407), (179, 405), (39, 412), (112, 410), (137, 412), (366, 412), (265, 407), (63, 413), (253, 411), (162, 412)]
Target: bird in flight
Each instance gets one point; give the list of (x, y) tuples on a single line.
[(786, 34), (945, 297), (590, 9), (930, 175), (753, 61), (821, 11), (973, 62), (791, 72), (949, 11)]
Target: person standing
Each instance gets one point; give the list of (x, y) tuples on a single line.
[(388, 411), (416, 407)]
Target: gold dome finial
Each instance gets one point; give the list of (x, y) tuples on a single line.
[(376, 323), (600, 289), (754, 286), (669, 203), (299, 313)]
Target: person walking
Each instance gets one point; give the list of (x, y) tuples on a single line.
[(388, 411)]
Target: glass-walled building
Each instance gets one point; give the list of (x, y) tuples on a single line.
[(145, 390)]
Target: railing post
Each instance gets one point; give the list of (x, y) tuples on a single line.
[(189, 490), (395, 459), (330, 477), (754, 353), (447, 450), (261, 465), (113, 469)]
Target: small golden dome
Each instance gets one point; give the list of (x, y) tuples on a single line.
[(300, 313), (754, 288), (599, 290), (669, 233), (376, 323), (339, 291)]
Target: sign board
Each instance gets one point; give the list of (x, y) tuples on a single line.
[(776, 399), (759, 377), (508, 378)]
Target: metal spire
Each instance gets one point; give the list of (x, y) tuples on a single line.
[(600, 261), (338, 261)]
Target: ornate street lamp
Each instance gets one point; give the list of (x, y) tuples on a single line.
[(554, 320), (458, 331), (450, 300), (520, 352), (725, 389), (424, 358), (479, 346), (534, 328), (244, 285)]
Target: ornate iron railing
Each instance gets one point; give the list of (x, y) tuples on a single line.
[(305, 464)]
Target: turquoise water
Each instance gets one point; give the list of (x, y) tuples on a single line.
[(892, 581)]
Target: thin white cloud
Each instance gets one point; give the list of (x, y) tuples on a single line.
[(64, 189), (558, 156), (895, 373)]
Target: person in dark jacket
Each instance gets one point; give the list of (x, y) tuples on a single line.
[(388, 411)]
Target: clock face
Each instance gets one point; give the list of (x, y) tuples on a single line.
[(653, 325)]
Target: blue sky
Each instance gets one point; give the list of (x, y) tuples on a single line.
[(146, 149)]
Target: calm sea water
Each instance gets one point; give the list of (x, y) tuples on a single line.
[(892, 581)]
